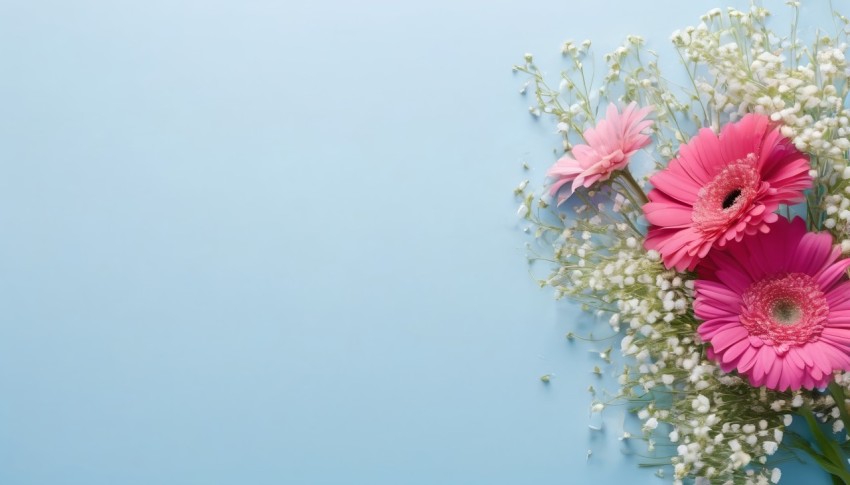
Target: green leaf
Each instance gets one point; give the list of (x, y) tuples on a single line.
[(830, 458), (840, 401), (800, 443)]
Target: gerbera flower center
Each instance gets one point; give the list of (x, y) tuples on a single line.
[(784, 310), (728, 196)]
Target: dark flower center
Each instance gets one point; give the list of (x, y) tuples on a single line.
[(723, 202), (730, 198)]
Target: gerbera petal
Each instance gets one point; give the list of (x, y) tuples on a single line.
[(735, 351), (832, 273), (812, 253), (838, 359), (667, 214), (683, 189), (821, 362), (837, 336), (764, 360), (788, 380), (838, 297), (774, 374), (747, 360), (795, 359), (706, 309), (803, 354), (719, 293), (735, 278), (727, 337), (709, 328)]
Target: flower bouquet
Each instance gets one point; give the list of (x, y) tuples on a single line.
[(709, 225)]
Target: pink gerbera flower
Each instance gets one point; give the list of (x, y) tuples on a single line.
[(776, 307), (722, 188), (609, 146)]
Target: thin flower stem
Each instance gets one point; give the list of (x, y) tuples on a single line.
[(694, 84), (627, 176)]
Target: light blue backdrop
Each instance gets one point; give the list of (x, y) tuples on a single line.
[(273, 242)]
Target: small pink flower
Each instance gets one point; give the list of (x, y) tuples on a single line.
[(776, 307), (609, 146), (722, 188)]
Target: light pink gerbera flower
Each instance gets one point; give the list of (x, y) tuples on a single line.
[(610, 144), (721, 188), (776, 307)]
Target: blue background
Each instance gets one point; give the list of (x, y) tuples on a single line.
[(274, 242)]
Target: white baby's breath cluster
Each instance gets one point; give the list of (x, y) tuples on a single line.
[(704, 423)]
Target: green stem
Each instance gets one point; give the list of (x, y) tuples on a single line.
[(627, 176)]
